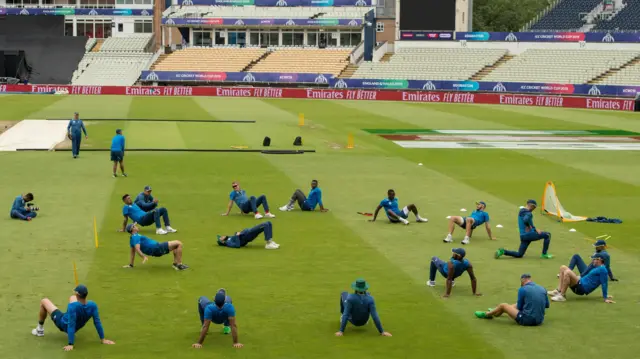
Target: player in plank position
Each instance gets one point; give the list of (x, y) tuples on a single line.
[(357, 307), (601, 248), (146, 246), (528, 234), (139, 216), (590, 281), (306, 203), (393, 212), (247, 204), (79, 311), (530, 308), (477, 218), (220, 311), (244, 237), (451, 270)]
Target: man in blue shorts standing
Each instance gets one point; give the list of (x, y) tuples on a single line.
[(246, 236), (74, 131), (593, 278), (117, 153), (528, 233), (477, 218), (79, 311), (531, 306), (138, 216), (146, 246), (220, 311), (393, 212), (451, 270), (306, 203), (247, 204), (357, 307)]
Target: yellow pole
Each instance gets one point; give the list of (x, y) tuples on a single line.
[(301, 119), (350, 144), (95, 231), (75, 273)]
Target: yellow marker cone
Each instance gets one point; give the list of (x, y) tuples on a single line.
[(301, 119), (95, 230), (350, 144), (75, 274)]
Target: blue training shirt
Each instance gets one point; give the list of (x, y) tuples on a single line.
[(358, 307), (525, 219), (76, 126), (219, 315), (18, 204), (239, 197), (459, 267), (78, 315), (133, 211), (314, 198), (390, 204), (117, 143), (479, 218), (147, 245), (532, 301), (595, 277), (145, 202)]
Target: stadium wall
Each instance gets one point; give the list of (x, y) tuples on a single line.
[(516, 48), (594, 103)]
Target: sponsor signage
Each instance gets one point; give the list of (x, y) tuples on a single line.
[(426, 35), (77, 11), (607, 37), (274, 3), (261, 22), (190, 76)]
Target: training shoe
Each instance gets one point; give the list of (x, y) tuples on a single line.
[(277, 245), (271, 245), (170, 229), (499, 253), (269, 215), (431, 283), (553, 293), (559, 298), (226, 330), (38, 333), (482, 315), (124, 174), (286, 208), (420, 219), (404, 221), (115, 175), (546, 256), (160, 231), (258, 216), (448, 239), (465, 240), (180, 267)]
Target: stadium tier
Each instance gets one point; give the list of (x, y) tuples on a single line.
[(216, 59), (266, 12), (566, 15), (628, 75), (626, 19), (317, 61), (431, 64)]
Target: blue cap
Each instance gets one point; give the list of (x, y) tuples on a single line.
[(220, 297), (525, 276), (147, 188), (130, 227), (600, 243), (482, 203), (533, 202), (118, 131), (82, 291), (598, 256), (459, 251)]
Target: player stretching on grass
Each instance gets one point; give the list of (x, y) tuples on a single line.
[(451, 270), (356, 308), (306, 203), (20, 209), (530, 309), (601, 247), (247, 205), (477, 218), (528, 234), (138, 216), (79, 311), (145, 200), (246, 236), (117, 153), (393, 212), (590, 281), (146, 246), (220, 311)]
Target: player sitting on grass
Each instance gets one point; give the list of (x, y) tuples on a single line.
[(528, 234), (139, 216), (530, 309), (590, 281), (477, 218), (146, 246), (393, 212), (145, 200), (79, 311), (600, 246), (220, 311), (117, 153), (247, 205), (306, 203), (21, 209), (356, 308), (244, 237), (451, 270)]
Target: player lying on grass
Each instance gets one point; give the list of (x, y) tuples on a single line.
[(306, 203), (528, 234), (220, 311), (142, 218), (247, 204), (590, 281), (79, 311), (601, 247), (530, 308), (145, 200), (477, 218), (22, 209), (357, 307), (74, 132), (451, 270), (146, 246), (393, 212), (117, 153), (244, 237)]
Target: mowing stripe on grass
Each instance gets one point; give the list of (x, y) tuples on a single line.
[(155, 120), (522, 145)]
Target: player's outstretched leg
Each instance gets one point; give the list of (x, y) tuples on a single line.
[(414, 210), (395, 218), (176, 248), (262, 201)]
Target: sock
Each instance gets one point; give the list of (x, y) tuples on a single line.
[(466, 238), (40, 326), (290, 204)]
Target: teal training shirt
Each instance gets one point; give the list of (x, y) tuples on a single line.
[(133, 211), (78, 315), (459, 267)]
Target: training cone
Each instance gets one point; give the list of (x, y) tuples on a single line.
[(463, 210), (350, 143), (301, 119), (499, 226), (572, 230), (448, 217)]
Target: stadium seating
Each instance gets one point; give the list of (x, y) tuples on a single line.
[(565, 15), (267, 12), (91, 42), (317, 61), (137, 43), (218, 59), (627, 19), (431, 64), (628, 75), (560, 66)]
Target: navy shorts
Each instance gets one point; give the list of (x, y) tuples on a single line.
[(305, 207), (117, 156), (578, 289), (160, 250), (526, 320), (56, 317)]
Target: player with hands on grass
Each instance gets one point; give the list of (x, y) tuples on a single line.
[(247, 204), (145, 246), (306, 203), (593, 278), (393, 212), (477, 218), (357, 307), (451, 270), (220, 311)]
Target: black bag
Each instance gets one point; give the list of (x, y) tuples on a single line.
[(297, 141), (266, 142)]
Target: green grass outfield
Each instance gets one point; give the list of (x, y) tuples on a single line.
[(287, 300)]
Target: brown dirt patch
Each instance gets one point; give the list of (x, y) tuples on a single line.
[(5, 125)]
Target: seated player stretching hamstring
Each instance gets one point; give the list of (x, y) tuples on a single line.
[(594, 277)]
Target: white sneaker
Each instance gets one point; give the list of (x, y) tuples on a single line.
[(270, 215), (420, 219), (160, 231), (404, 221), (286, 208), (271, 245), (553, 293), (558, 298), (431, 283), (453, 283), (258, 216), (38, 333), (448, 239), (170, 229), (465, 240), (277, 245)]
